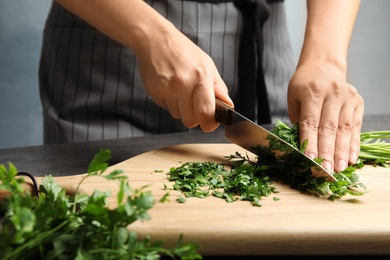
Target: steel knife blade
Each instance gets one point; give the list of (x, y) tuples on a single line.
[(250, 136)]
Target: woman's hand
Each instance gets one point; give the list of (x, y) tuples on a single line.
[(329, 112), (328, 109), (181, 78)]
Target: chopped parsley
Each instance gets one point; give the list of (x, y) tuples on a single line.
[(252, 180)]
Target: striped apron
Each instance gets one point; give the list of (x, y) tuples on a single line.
[(90, 87)]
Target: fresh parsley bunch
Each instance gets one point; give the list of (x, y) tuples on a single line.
[(55, 225)]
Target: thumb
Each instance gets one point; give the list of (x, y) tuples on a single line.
[(221, 91)]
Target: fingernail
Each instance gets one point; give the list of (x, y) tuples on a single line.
[(353, 156), (311, 155), (327, 165), (342, 165)]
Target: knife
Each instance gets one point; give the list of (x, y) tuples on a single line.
[(250, 136)]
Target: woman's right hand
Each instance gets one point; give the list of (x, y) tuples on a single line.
[(181, 77)]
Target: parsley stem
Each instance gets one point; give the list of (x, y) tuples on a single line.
[(34, 243)]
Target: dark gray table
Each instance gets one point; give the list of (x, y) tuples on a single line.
[(73, 158)]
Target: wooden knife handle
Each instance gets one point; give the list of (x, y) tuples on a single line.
[(223, 112)]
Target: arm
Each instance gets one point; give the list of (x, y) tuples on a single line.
[(328, 109), (175, 72)]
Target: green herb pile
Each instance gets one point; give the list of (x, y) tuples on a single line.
[(252, 180), (55, 225), (202, 179)]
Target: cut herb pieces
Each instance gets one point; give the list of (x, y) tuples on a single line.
[(195, 179), (203, 179), (252, 179)]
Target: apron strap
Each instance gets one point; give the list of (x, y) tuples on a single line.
[(252, 89)]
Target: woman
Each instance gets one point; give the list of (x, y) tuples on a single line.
[(157, 66)]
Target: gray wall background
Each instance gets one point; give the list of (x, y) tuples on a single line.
[(21, 23)]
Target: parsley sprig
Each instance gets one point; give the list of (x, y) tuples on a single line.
[(374, 149), (56, 225)]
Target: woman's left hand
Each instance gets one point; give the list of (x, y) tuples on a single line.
[(329, 111)]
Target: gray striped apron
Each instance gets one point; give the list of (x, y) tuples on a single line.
[(90, 87)]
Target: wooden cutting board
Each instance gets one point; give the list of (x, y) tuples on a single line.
[(296, 224)]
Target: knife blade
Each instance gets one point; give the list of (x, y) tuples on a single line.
[(250, 136)]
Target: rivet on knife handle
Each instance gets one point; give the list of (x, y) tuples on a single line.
[(223, 113)]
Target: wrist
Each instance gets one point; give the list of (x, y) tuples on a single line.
[(323, 55), (148, 32)]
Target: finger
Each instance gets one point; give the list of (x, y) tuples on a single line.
[(173, 108), (204, 105), (294, 106), (221, 90), (160, 102), (354, 149), (347, 144), (343, 137), (327, 132), (355, 141), (306, 111), (309, 120), (186, 107)]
